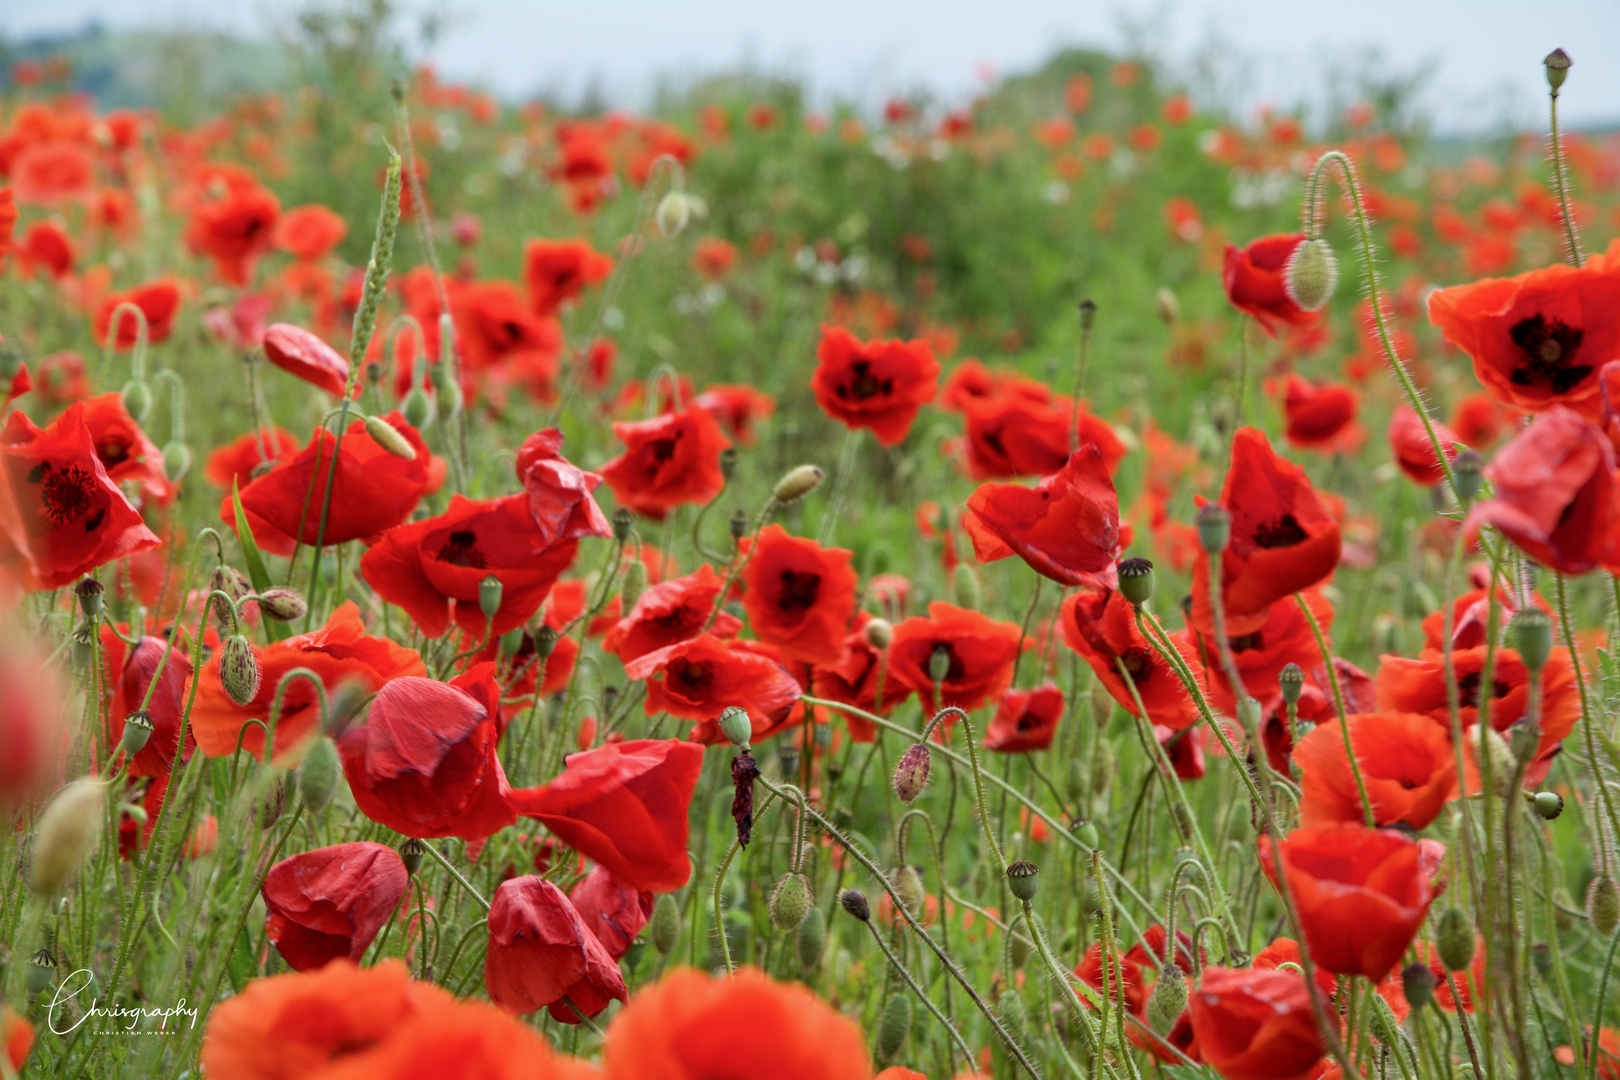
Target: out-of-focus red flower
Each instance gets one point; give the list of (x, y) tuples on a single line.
[(234, 229), (1025, 720), (713, 257), (1256, 1025), (1101, 627), (1414, 453), (308, 232), (701, 677), (46, 246), (1014, 434), (614, 911), (557, 271), (1066, 527), (1406, 762), (235, 462), (128, 674), (799, 596), (1321, 416), (331, 902), (59, 170), (159, 301), (1479, 420), (668, 461), (540, 952), (854, 680), (16, 1037), (1253, 278), (299, 352), (738, 409), (124, 450), (31, 727), (878, 385), (61, 379), (979, 654)]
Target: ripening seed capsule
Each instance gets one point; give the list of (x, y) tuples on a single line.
[(1088, 314), (1214, 523), (623, 521), (1468, 469), (1311, 274), (911, 773), (1086, 833), (89, 593), (790, 901), (387, 436), (797, 484), (66, 832), (239, 670), (1557, 64), (738, 524), (736, 726), (1136, 580), (1454, 938), (545, 641), (318, 775), (1292, 681), (1168, 1000), (410, 853), (137, 730), (282, 605), (665, 925), (1603, 905), (939, 664), (1531, 633), (417, 409), (489, 595), (893, 1027), (879, 632), (1417, 982), (728, 462), (1023, 877), (1549, 804), (811, 940), (41, 972)]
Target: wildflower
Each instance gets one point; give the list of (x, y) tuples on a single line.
[(879, 385), (331, 902)]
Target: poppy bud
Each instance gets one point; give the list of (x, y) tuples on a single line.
[(811, 940), (1214, 528), (911, 773), (239, 670), (633, 585), (1292, 681), (1168, 307), (1531, 634), (176, 461), (342, 702), (89, 592), (511, 641), (282, 605), (965, 589), (1103, 767), (1563, 908), (1012, 1014), (1549, 804), (231, 582), (674, 210), (1102, 709), (909, 885), (939, 664), (318, 775), (1557, 63), (893, 1027), (1086, 833), (1468, 469), (622, 522), (65, 834), (854, 902), (545, 641), (489, 595), (1021, 948), (665, 924), (736, 726), (410, 853), (1022, 878), (388, 437), (1487, 743), (790, 901), (1417, 983), (1454, 938), (1603, 905), (738, 525), (1311, 274), (137, 399), (879, 632), (1088, 314), (1168, 1000), (728, 462), (137, 730), (446, 394), (1136, 580), (797, 484), (1074, 781)]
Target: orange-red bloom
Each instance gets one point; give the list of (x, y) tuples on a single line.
[(128, 674), (540, 951), (31, 726), (979, 654), (1321, 416), (159, 301), (1066, 527), (1017, 434), (331, 902), (1025, 720), (235, 462), (1253, 278), (1407, 764), (308, 232), (299, 352), (853, 679), (800, 596), (737, 408), (124, 449), (613, 910), (234, 229), (557, 271), (1101, 627), (701, 677), (668, 461), (670, 612), (878, 385), (1256, 1025), (16, 1037), (1414, 453), (1285, 637)]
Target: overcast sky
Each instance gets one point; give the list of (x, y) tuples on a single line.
[(1484, 54)]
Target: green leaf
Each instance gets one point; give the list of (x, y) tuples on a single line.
[(251, 555), (241, 966)]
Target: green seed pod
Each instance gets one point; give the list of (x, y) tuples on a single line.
[(79, 645), (908, 883), (1454, 938), (137, 730), (66, 833), (1101, 704), (939, 663), (1074, 781), (239, 670), (1086, 833), (790, 901), (1088, 314), (176, 461), (665, 925), (1292, 681), (811, 940), (511, 641), (797, 483), (387, 436), (1530, 631), (489, 595), (318, 775), (410, 853), (1417, 982), (137, 400), (1103, 767), (728, 463), (1549, 804), (417, 409), (1468, 468), (89, 593), (674, 210), (41, 972), (893, 1027), (911, 773), (736, 726), (1023, 877), (1603, 905), (738, 524), (1012, 1014), (965, 588), (632, 585), (1136, 580), (632, 955), (1311, 274), (1168, 1000), (282, 605), (545, 641), (1557, 63), (1214, 524)]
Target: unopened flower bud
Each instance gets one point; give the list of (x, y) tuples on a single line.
[(417, 409), (728, 462), (282, 605), (736, 726), (1311, 274), (790, 901), (893, 1027), (1530, 631), (1214, 528), (623, 521), (489, 595), (1168, 1000), (137, 400), (939, 664), (1167, 306), (66, 832), (1468, 469), (1454, 938), (231, 582), (511, 641), (911, 773), (342, 703), (632, 585), (1022, 878), (908, 885), (410, 853), (965, 588), (797, 483), (1557, 63), (1417, 982), (239, 670), (176, 461), (1549, 804), (879, 632), (318, 774), (811, 940), (1074, 780), (1013, 1015), (1484, 742), (89, 593), (1291, 679), (1088, 314), (387, 436), (674, 210), (665, 925), (854, 902), (137, 731), (1136, 580), (1603, 905)]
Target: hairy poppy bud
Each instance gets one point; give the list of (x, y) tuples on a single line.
[(239, 670), (1549, 804), (1022, 878), (911, 773), (318, 775), (1531, 634), (790, 901), (728, 462), (1103, 766), (387, 436), (1021, 949), (447, 396), (665, 924), (176, 461), (1468, 468), (939, 664), (231, 582), (854, 902), (1417, 982), (89, 593), (1311, 274), (66, 832), (1603, 905), (797, 484), (1012, 1014), (1136, 580), (736, 726), (1168, 1000), (489, 595), (1214, 528), (282, 605), (879, 632), (1167, 306), (623, 520), (1557, 63), (893, 1027), (137, 730), (632, 585), (965, 588), (137, 399), (417, 409), (410, 853), (1074, 780), (811, 940), (1292, 681), (908, 884), (674, 210), (1088, 314), (1485, 744), (738, 524), (1454, 938)]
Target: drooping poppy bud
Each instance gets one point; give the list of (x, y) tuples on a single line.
[(1454, 938), (811, 939), (674, 210), (1468, 469), (911, 773), (1603, 905), (318, 775), (66, 832), (908, 883), (239, 671), (665, 925), (1311, 274), (965, 591), (854, 901), (790, 901), (879, 632), (797, 483), (1168, 1000), (1417, 983), (283, 605), (387, 436), (893, 1026)]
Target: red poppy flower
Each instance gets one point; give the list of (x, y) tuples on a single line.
[(1013, 435), (1025, 720), (980, 654), (1555, 494), (1361, 894), (1101, 627), (1261, 654), (1407, 764), (234, 229), (1315, 706), (670, 612), (1256, 1025), (624, 806), (557, 271), (234, 463), (31, 724), (700, 678), (612, 910), (1066, 527), (1126, 971), (541, 952), (373, 492), (713, 257), (434, 568), (45, 246), (1469, 980), (331, 902), (16, 1037), (1419, 686), (668, 460), (738, 409), (61, 515), (1409, 442), (52, 171), (692, 1025), (799, 595), (128, 455), (299, 352), (339, 651), (159, 301), (1470, 618), (1253, 279), (559, 492), (1539, 339), (879, 385), (62, 379), (493, 322), (308, 232), (128, 674), (1286, 951), (1321, 417), (853, 679), (423, 763), (1283, 538), (1479, 420)]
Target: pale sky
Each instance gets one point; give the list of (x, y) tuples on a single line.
[(1484, 54)]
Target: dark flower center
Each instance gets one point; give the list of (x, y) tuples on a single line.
[(688, 676), (1282, 533), (862, 384), (112, 452), (461, 549), (1138, 663), (798, 592), (1029, 722), (683, 620), (1468, 690), (1547, 349), (66, 492), (1247, 642)]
